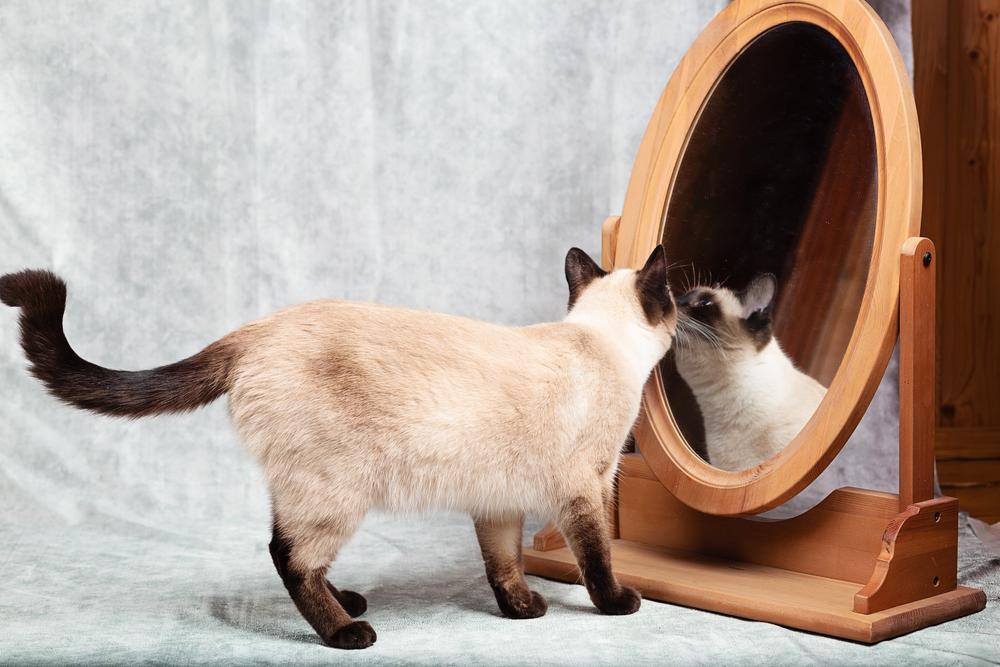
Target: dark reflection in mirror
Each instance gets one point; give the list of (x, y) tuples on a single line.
[(779, 177)]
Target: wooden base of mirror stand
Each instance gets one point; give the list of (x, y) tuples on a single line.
[(862, 565)]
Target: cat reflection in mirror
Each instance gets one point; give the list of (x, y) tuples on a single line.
[(753, 399), (355, 406)]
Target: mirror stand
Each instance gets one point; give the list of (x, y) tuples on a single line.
[(862, 565)]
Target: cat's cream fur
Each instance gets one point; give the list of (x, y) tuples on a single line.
[(753, 399), (352, 406)]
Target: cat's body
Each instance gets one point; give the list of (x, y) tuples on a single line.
[(753, 399), (350, 407), (402, 404)]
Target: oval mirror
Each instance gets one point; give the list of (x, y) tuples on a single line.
[(779, 167), (781, 171)]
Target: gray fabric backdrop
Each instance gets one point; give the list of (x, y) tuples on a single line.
[(190, 166)]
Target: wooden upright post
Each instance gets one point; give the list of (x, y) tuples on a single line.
[(916, 371)]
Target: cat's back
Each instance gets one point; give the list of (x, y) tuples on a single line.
[(391, 354), (330, 327)]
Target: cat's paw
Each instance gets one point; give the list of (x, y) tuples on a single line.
[(532, 606), (625, 601), (358, 634), (353, 603)]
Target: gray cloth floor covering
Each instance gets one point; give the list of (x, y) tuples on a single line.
[(156, 589)]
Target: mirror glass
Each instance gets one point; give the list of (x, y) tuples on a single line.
[(769, 229)]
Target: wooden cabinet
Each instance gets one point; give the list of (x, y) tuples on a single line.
[(956, 48)]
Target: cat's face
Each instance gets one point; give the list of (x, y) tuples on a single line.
[(641, 295), (715, 319)]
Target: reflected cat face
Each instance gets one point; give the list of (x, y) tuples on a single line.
[(717, 318)]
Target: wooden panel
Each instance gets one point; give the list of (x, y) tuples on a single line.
[(817, 604), (916, 372), (968, 443), (981, 500), (970, 238), (975, 482), (919, 557), (969, 472), (834, 539), (957, 79), (839, 538)]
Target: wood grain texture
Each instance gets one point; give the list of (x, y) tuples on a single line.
[(609, 241), (918, 262), (839, 538), (967, 443), (956, 47), (919, 557), (792, 599), (887, 88)]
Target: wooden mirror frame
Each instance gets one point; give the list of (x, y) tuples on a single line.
[(868, 42)]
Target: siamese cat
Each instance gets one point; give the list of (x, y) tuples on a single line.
[(752, 398), (353, 406)]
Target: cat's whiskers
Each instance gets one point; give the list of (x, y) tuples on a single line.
[(687, 326)]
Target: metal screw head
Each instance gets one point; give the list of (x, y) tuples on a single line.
[(927, 259)]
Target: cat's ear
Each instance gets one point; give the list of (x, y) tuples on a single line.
[(758, 307), (758, 296), (653, 287), (581, 270)]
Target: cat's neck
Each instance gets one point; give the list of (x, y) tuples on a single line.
[(636, 346)]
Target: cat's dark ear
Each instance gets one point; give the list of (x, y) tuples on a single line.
[(757, 300), (653, 288), (581, 270)]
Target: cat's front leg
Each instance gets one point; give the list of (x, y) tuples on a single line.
[(583, 522), (500, 542)]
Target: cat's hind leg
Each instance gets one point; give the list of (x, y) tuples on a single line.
[(583, 522), (500, 542), (302, 552)]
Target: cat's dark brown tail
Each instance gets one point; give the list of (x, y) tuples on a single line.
[(178, 387)]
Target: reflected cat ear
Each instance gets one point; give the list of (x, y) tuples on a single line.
[(581, 270), (758, 296)]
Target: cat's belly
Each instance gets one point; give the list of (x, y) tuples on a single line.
[(485, 485), (472, 462)]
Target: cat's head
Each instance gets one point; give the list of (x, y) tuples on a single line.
[(720, 320), (641, 295)]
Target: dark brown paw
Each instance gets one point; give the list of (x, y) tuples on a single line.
[(626, 601), (531, 606), (358, 634), (353, 603)]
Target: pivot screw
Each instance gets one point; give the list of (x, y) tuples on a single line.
[(927, 259)]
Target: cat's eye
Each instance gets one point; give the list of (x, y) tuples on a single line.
[(703, 303)]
